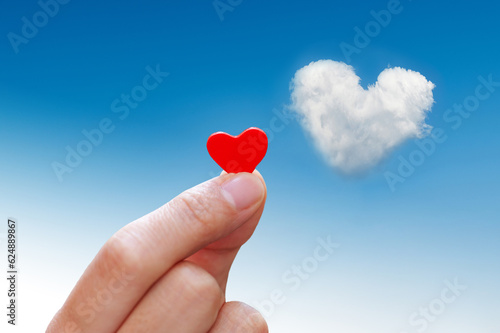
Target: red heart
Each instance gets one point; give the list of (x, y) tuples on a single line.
[(239, 153)]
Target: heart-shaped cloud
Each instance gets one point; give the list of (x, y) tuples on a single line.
[(354, 128)]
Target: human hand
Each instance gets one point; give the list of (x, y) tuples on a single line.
[(167, 271)]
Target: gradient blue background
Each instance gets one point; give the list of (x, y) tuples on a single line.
[(397, 248)]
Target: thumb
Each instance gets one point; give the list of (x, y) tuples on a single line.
[(147, 248)]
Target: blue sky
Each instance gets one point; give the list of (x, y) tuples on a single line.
[(397, 247)]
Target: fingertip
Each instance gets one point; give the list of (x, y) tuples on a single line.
[(243, 190), (224, 175), (258, 174)]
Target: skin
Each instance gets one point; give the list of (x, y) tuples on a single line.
[(167, 271)]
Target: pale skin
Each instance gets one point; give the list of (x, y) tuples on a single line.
[(167, 271)]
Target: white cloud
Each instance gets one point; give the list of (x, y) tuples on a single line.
[(355, 128)]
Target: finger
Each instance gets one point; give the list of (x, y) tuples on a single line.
[(218, 257), (236, 317), (186, 299), (141, 252)]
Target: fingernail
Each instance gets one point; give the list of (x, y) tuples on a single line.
[(243, 190)]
